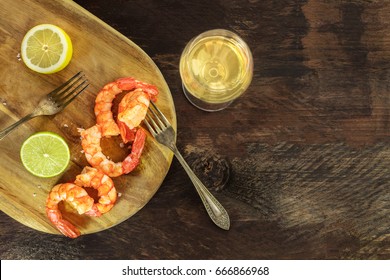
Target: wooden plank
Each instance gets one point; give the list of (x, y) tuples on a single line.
[(104, 55)]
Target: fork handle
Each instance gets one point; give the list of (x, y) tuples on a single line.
[(216, 211), (6, 131)]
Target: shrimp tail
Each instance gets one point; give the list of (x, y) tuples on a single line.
[(94, 212), (68, 229), (132, 160), (62, 225), (127, 134), (127, 83)]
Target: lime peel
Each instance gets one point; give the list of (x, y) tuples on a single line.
[(45, 154)]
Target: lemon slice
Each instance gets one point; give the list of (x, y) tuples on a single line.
[(45, 154), (46, 49)]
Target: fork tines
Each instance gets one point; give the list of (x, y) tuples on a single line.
[(155, 120), (68, 91)]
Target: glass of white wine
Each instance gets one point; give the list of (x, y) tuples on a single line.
[(216, 67)]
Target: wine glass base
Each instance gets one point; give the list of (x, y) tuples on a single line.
[(205, 106)]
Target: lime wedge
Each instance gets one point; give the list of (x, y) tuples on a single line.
[(45, 154)]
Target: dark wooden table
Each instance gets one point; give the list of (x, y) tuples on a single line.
[(308, 145)]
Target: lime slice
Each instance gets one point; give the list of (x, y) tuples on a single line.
[(46, 49), (45, 154)]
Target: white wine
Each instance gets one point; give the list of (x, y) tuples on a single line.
[(216, 68)]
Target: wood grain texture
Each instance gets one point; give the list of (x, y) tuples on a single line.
[(112, 56), (307, 145)]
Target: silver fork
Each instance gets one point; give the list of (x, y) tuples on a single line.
[(162, 130), (55, 101)]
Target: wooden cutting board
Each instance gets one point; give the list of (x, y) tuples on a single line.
[(104, 55)]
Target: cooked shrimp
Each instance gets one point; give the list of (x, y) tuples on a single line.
[(92, 178), (131, 112), (105, 97), (90, 141), (75, 196)]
